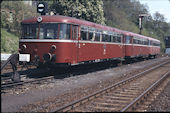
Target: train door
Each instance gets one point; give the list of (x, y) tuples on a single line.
[(128, 46), (75, 35), (84, 45), (124, 46), (132, 46)]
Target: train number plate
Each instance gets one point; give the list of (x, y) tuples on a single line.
[(24, 57)]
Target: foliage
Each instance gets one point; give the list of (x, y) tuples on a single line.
[(4, 20), (91, 10), (9, 42), (13, 12), (124, 14)]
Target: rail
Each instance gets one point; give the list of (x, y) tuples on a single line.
[(100, 92), (146, 92), (3, 86), (13, 60)]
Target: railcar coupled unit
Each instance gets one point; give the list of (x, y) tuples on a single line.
[(62, 40)]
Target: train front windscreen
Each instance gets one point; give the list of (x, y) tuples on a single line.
[(46, 31), (29, 31)]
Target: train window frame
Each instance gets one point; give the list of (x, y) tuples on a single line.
[(114, 37), (155, 43), (159, 44), (66, 33), (138, 40), (151, 43), (84, 29), (27, 30), (128, 39), (135, 40), (104, 36), (44, 27), (145, 41), (98, 35), (74, 32), (109, 36), (91, 33), (119, 38)]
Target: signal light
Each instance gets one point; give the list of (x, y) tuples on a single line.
[(42, 8)]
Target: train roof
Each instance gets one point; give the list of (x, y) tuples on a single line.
[(65, 19), (138, 35)]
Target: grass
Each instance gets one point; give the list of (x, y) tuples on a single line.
[(9, 42)]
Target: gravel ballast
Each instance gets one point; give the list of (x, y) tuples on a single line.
[(41, 97)]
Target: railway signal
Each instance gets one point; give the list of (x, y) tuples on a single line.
[(42, 8), (140, 21)]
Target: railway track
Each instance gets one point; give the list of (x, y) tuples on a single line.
[(6, 80), (9, 69), (7, 83), (12, 84), (126, 95)]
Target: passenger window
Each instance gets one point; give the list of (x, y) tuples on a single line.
[(109, 38), (97, 37), (84, 33), (144, 42), (133, 41), (119, 39), (140, 42), (64, 31), (90, 35), (114, 39), (136, 40), (104, 38), (147, 43), (128, 38)]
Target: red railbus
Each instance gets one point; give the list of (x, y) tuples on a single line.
[(66, 40)]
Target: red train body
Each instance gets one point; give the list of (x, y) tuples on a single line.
[(65, 40)]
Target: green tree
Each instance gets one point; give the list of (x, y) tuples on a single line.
[(91, 10), (117, 17), (13, 12), (4, 20), (124, 14)]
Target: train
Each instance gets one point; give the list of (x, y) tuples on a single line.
[(167, 45), (62, 40)]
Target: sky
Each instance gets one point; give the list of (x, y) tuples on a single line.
[(161, 6)]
